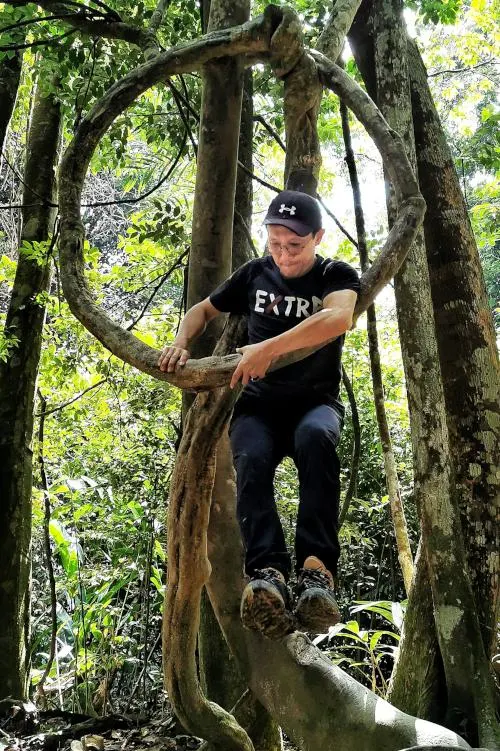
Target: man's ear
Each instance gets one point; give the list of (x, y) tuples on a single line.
[(319, 236)]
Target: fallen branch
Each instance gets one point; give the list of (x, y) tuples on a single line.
[(53, 741)]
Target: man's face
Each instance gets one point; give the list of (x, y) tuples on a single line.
[(292, 254)]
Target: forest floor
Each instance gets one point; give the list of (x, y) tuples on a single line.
[(26, 729)]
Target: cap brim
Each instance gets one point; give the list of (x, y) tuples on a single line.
[(299, 228)]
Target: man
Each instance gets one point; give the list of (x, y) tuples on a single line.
[(294, 299)]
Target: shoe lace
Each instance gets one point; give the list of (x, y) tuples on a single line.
[(269, 575), (311, 577)]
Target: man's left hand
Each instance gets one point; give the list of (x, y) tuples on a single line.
[(254, 363)]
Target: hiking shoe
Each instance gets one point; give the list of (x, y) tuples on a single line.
[(265, 604), (317, 608)]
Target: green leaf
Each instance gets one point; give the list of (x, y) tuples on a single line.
[(377, 635), (352, 626), (160, 551), (35, 251), (59, 488), (65, 546), (81, 511)]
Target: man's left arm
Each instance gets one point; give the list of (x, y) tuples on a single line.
[(333, 320)]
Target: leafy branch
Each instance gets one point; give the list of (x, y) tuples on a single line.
[(38, 42), (109, 26), (463, 69), (157, 288), (31, 21), (59, 407)]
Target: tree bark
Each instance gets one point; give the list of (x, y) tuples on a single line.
[(332, 39), (356, 715), (210, 262), (312, 700), (302, 98), (220, 677), (24, 323), (470, 700), (211, 243), (410, 675), (10, 74), (467, 350), (189, 568), (243, 203), (110, 26), (418, 684), (356, 449)]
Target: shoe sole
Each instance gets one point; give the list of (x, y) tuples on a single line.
[(263, 610), (316, 612)]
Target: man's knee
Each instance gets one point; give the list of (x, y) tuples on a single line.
[(315, 435), (252, 457), (251, 443)]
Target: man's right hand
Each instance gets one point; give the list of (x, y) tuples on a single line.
[(173, 357), (176, 355)]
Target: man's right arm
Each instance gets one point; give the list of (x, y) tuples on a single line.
[(192, 325)]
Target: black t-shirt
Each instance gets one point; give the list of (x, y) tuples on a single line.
[(274, 305)]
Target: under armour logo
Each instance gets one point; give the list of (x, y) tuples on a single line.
[(283, 208)]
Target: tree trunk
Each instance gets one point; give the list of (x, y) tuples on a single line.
[(311, 698), (220, 675), (397, 511), (301, 102), (213, 255), (24, 323), (417, 683), (467, 350), (410, 675), (211, 243), (470, 691), (10, 74), (243, 202), (352, 713)]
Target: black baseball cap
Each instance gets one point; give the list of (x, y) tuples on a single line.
[(296, 211)]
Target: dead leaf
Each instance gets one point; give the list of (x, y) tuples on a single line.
[(93, 742)]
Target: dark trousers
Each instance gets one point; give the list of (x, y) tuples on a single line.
[(260, 438)]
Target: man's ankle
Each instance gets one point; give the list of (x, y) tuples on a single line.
[(313, 563), (257, 573)]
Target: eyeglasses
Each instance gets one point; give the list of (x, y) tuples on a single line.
[(292, 248)]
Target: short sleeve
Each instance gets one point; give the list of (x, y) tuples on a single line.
[(339, 275), (232, 295)]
